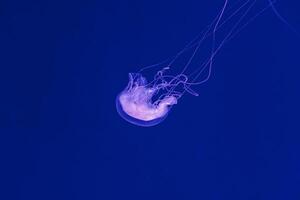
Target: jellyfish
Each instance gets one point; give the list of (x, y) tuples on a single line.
[(148, 103)]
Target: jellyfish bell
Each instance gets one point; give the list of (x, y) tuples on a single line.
[(140, 104)]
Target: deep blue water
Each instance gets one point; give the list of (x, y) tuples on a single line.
[(64, 62)]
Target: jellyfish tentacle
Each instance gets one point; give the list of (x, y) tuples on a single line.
[(281, 18), (207, 64), (196, 41), (189, 90), (214, 38)]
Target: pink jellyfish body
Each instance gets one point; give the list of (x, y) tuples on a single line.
[(147, 103), (135, 104)]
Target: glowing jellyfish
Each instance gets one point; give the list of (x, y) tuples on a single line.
[(146, 103)]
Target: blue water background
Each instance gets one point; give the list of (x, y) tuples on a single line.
[(64, 62)]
